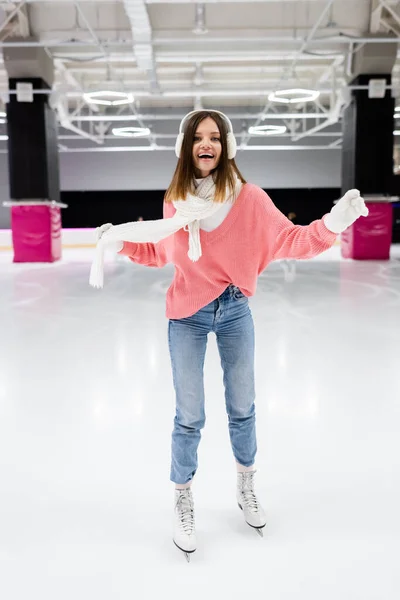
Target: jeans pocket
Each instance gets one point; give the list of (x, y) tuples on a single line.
[(238, 294)]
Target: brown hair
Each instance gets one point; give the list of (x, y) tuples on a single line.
[(224, 174)]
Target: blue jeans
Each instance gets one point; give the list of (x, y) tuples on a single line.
[(229, 317)]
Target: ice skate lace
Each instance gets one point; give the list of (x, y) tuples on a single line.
[(185, 507), (247, 491)]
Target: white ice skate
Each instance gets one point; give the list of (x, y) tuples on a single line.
[(185, 529), (247, 500)]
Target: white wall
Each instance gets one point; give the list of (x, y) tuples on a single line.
[(153, 170)]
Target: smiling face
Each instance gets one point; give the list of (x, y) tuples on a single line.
[(206, 147)]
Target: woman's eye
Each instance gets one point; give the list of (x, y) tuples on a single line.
[(198, 139)]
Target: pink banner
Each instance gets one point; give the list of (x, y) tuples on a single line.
[(370, 238), (36, 233)]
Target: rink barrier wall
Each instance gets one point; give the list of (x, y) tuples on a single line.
[(71, 238)]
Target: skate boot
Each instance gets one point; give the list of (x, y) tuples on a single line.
[(247, 500), (184, 529)]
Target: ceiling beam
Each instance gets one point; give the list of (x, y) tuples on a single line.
[(172, 136), (163, 1), (222, 1), (12, 21), (178, 117), (395, 16), (288, 73), (51, 40), (142, 40)]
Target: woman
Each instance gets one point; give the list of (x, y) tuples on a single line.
[(233, 237)]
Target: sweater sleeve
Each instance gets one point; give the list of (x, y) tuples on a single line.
[(147, 254), (287, 240)]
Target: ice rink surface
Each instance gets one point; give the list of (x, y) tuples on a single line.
[(86, 411)]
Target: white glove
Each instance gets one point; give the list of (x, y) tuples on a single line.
[(346, 211), (114, 246)]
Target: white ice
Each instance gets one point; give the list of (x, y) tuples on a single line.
[(86, 411)]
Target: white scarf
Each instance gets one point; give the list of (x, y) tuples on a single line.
[(188, 214)]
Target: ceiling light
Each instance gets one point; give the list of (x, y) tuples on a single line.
[(131, 131), (108, 98), (293, 96), (2, 121), (3, 114), (396, 109), (267, 130)]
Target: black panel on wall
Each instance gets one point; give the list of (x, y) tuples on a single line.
[(32, 146), (28, 172), (93, 208), (367, 159), (349, 147), (53, 170)]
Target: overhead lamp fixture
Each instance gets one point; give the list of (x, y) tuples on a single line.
[(396, 109), (131, 131), (2, 114), (2, 121), (267, 130), (294, 96), (108, 98)]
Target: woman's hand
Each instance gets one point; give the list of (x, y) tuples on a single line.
[(115, 246), (346, 211), (100, 231)]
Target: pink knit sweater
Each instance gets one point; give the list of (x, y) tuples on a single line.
[(253, 234)]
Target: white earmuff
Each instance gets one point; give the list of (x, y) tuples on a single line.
[(230, 138), (232, 145), (178, 144)]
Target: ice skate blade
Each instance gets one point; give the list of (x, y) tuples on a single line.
[(187, 553), (260, 530)]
